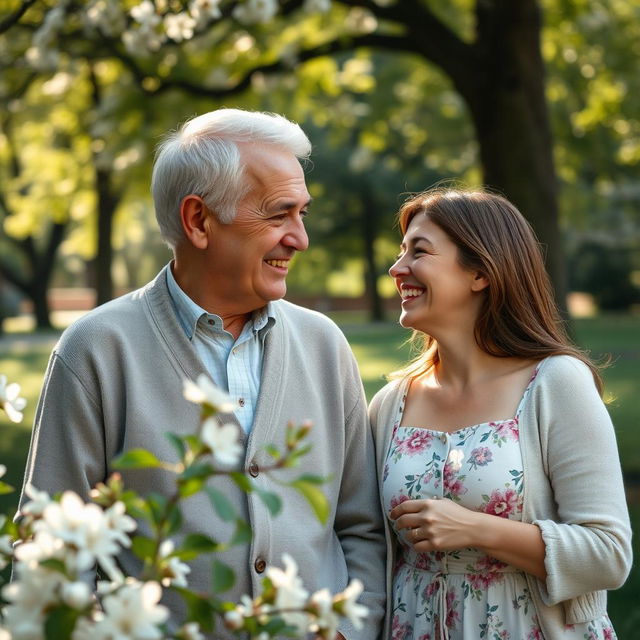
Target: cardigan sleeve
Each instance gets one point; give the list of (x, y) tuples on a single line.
[(588, 545), (67, 444)]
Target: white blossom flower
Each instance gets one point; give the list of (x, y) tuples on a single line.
[(204, 10), (290, 593), (106, 16), (223, 441), (38, 501), (175, 572), (348, 606), (90, 535), (3, 470), (10, 400), (327, 620), (133, 612), (203, 391), (455, 459), (6, 550), (316, 6), (255, 11), (141, 42), (234, 619), (179, 26), (145, 14), (76, 594), (190, 631), (33, 591)]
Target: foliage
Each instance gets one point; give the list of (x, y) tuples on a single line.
[(54, 542)]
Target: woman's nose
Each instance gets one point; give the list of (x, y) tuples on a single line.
[(397, 269)]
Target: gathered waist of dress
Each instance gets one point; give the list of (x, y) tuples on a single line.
[(454, 562)]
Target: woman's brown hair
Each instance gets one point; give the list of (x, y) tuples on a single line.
[(518, 316)]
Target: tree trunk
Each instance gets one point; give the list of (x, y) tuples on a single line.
[(369, 234), (509, 110), (107, 203)]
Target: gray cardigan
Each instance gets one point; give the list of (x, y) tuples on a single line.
[(114, 382), (573, 490)]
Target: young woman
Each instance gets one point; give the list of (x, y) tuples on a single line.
[(497, 459)]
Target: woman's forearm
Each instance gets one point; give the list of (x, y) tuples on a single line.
[(517, 543)]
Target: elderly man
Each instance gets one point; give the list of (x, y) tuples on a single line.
[(230, 199)]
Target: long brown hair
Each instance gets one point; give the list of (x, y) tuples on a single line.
[(518, 316)]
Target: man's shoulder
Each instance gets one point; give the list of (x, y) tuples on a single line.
[(305, 318), (120, 315)]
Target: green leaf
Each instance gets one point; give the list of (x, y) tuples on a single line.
[(242, 534), (273, 451), (221, 504), (177, 442), (54, 564), (174, 521), (60, 622), (137, 459), (271, 500), (200, 470), (199, 609), (242, 481), (314, 479), (191, 486), (157, 504), (223, 577), (199, 543), (6, 488), (314, 497), (143, 547)]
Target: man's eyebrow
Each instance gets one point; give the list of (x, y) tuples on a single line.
[(286, 205)]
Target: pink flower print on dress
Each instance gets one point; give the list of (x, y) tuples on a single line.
[(396, 500), (485, 572), (416, 442), (507, 429), (535, 633), (400, 631), (423, 561), (453, 483), (502, 503), (480, 457), (453, 615), (608, 633)]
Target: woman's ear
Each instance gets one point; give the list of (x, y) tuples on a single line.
[(479, 282), (194, 215)]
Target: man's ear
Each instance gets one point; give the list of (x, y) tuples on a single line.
[(194, 215), (479, 282)]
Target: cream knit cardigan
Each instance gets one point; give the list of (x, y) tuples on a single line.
[(573, 490)]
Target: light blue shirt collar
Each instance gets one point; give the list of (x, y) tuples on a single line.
[(189, 313)]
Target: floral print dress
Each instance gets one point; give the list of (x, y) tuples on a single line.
[(463, 594)]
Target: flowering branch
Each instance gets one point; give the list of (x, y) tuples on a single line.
[(55, 541)]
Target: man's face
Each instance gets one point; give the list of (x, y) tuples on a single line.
[(250, 257)]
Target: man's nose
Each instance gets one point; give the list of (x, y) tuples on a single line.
[(296, 237)]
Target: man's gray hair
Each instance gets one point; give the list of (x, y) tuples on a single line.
[(202, 158)]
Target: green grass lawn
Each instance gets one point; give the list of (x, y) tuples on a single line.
[(379, 349)]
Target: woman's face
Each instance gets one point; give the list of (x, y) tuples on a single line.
[(436, 291)]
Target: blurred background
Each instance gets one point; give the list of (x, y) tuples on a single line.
[(539, 99)]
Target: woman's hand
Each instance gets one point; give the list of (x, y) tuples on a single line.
[(443, 525), (437, 524)]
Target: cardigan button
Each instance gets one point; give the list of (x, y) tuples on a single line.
[(260, 565), (254, 470)]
